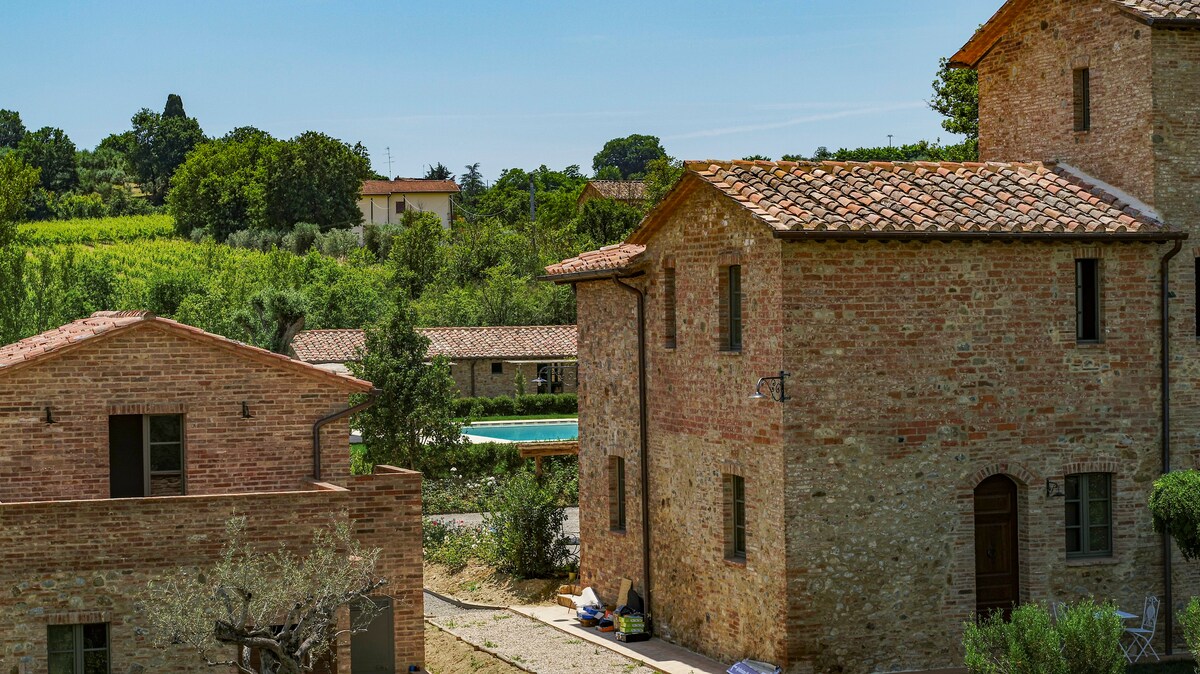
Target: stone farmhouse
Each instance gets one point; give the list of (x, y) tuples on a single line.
[(985, 365), (385, 201), (127, 442), (485, 361)]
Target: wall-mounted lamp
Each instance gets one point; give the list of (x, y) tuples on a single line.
[(246, 410), (776, 388), (1053, 489), (50, 416)]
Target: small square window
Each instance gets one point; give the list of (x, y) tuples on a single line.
[(497, 368), (400, 206), (77, 649)]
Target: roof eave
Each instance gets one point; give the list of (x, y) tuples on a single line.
[(592, 275), (1096, 237)]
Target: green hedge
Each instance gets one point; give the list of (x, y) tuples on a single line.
[(507, 406)]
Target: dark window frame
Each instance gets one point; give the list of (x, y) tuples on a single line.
[(616, 491), (149, 443), (1082, 484), (1081, 92), (401, 206), (1197, 307), (670, 315), (734, 488), (1088, 301), (79, 650), (498, 367), (731, 308)]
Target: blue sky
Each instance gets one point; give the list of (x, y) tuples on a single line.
[(505, 84)]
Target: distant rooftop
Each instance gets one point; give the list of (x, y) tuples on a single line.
[(409, 186), (494, 342)]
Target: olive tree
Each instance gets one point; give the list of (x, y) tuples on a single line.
[(282, 606)]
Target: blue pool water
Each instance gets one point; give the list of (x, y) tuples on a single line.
[(526, 432)]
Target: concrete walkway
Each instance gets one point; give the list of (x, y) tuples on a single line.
[(655, 653)]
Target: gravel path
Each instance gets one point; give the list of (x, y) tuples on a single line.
[(528, 643)]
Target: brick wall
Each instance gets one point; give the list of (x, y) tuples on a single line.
[(67, 561), (148, 370), (702, 426), (1025, 92), (921, 370)]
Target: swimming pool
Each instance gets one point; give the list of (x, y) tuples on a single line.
[(523, 431)]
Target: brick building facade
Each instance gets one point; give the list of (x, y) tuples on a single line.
[(230, 432), (485, 362), (974, 355)]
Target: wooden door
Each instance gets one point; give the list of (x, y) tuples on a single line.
[(997, 573)]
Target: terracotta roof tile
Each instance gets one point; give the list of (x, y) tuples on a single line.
[(613, 258), (408, 186), (920, 197), (620, 190), (1156, 9), (103, 323), (519, 341)]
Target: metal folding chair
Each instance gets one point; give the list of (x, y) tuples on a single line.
[(1140, 637)]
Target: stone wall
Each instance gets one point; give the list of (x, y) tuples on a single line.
[(66, 562), (475, 379), (922, 369), (702, 426), (147, 370)]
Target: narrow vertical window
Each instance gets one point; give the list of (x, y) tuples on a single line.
[(1082, 99), (616, 493), (1197, 293), (734, 488), (145, 455), (77, 649), (1089, 515), (1087, 300), (735, 307), (669, 329)]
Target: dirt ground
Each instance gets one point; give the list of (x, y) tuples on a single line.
[(479, 584), (445, 654)]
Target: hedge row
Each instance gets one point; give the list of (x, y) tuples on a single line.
[(507, 406)]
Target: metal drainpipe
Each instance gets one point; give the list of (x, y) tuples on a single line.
[(1165, 350), (644, 459), (316, 438)]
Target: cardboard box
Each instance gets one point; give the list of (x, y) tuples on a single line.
[(630, 638)]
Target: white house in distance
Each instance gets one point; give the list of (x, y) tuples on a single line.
[(384, 201)]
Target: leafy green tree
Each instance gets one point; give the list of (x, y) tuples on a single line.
[(221, 187), (104, 172), (439, 172), (313, 178), (226, 610), (417, 253), (605, 221), (757, 157), (17, 182), (12, 130), (174, 107), (158, 146), (413, 412), (608, 173), (630, 155), (956, 97), (272, 318), (661, 176), (472, 184), (504, 298), (50, 150)]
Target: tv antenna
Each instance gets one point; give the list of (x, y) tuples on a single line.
[(389, 159)]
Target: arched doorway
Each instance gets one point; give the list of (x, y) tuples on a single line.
[(997, 568)]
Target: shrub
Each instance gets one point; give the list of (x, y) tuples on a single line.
[(454, 544), (337, 243), (1175, 504), (1025, 644), (1190, 620), (302, 238), (505, 406), (1091, 638), (379, 239), (254, 239), (471, 460), (525, 519)]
